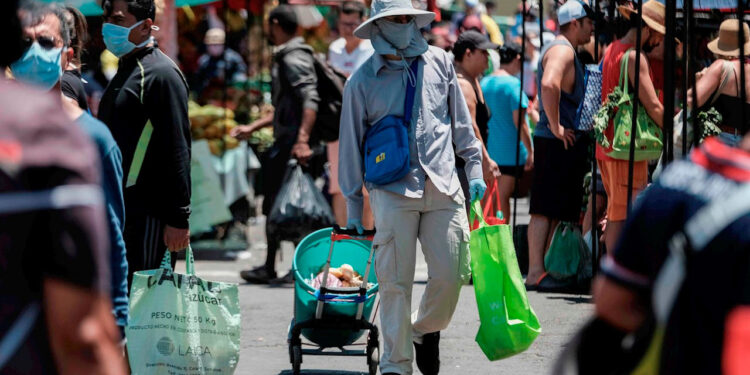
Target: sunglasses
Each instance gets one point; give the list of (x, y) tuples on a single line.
[(46, 42)]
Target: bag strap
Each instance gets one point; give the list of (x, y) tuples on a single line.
[(698, 232), (725, 67), (166, 262), (410, 91), (475, 213), (624, 81), (18, 331), (492, 192)]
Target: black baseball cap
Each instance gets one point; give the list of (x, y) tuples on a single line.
[(472, 39)]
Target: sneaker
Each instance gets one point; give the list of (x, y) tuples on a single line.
[(286, 279), (259, 275), (428, 354)]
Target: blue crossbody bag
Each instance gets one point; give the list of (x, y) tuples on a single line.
[(386, 146)]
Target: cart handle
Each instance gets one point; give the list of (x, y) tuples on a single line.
[(338, 234)]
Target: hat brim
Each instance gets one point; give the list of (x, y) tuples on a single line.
[(488, 46), (652, 23), (421, 17), (714, 47)]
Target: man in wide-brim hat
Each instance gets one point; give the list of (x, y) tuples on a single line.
[(423, 201), (614, 171)]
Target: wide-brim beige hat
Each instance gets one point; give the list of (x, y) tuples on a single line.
[(728, 42), (654, 15), (386, 8)]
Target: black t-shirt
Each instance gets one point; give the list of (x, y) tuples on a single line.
[(40, 152), (694, 339), (163, 185), (72, 87)]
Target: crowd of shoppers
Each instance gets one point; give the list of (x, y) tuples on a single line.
[(465, 122)]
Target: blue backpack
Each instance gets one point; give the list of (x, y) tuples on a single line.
[(386, 146)]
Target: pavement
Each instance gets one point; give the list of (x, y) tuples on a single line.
[(267, 311)]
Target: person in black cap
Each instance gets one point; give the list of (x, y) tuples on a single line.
[(471, 60), (295, 101)]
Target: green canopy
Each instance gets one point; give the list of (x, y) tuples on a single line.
[(182, 3)]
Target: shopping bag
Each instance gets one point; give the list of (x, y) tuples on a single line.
[(566, 253), (182, 324), (491, 207), (508, 323), (300, 208)]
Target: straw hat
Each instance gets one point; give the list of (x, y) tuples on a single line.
[(728, 43), (386, 8), (653, 15)]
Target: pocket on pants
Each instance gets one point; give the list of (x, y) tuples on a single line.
[(464, 258), (385, 257)]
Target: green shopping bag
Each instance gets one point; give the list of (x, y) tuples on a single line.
[(181, 324), (563, 259), (508, 323), (619, 107)]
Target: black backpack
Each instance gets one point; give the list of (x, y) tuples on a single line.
[(331, 91)]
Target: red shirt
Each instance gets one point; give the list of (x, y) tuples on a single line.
[(610, 80)]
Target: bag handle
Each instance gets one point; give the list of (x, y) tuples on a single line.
[(166, 262), (476, 213), (410, 91), (492, 192), (624, 82)]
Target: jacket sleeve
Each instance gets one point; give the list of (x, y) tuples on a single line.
[(113, 196), (299, 67), (167, 108), (468, 146), (351, 134)]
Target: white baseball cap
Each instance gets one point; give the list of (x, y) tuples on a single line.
[(573, 10)]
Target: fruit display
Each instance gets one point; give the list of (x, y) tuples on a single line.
[(213, 124)]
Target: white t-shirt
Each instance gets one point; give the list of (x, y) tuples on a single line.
[(348, 62)]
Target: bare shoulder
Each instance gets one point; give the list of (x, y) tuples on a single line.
[(467, 89)]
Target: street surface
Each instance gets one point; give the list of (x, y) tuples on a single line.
[(267, 311)]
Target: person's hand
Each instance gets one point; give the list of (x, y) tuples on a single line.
[(355, 224), (567, 136), (176, 239), (302, 152), (477, 188), (490, 170), (242, 132), (529, 162)]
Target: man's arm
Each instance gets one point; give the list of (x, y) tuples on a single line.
[(468, 146), (166, 103), (245, 131), (556, 60), (351, 134), (300, 73), (646, 91), (113, 196), (489, 167)]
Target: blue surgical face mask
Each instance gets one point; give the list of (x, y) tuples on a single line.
[(399, 35), (116, 39), (39, 67)]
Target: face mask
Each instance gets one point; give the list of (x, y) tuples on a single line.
[(399, 35), (39, 67), (415, 45), (116, 39)]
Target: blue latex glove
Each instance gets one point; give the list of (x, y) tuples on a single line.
[(477, 188), (355, 224)]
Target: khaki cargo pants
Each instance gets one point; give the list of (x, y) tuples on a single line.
[(440, 224)]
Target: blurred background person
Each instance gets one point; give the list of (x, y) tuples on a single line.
[(55, 311), (502, 91), (471, 60), (346, 54), (218, 63), (72, 83)]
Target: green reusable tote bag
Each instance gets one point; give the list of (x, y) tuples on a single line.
[(181, 324), (563, 259), (508, 323)]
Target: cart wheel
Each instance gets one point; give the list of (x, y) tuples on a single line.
[(296, 359), (373, 356)]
